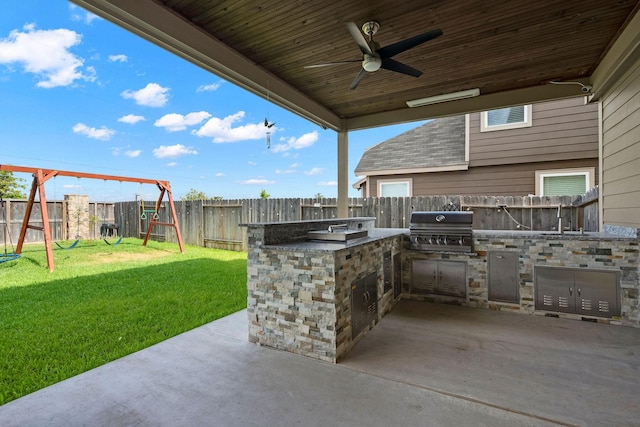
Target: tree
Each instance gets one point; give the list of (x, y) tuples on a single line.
[(319, 196), (194, 194), (264, 194), (11, 187)]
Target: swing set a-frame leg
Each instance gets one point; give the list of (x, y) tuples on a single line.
[(39, 178), (164, 188)]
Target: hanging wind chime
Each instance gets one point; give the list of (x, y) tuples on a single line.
[(267, 124)]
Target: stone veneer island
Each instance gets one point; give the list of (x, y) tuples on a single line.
[(319, 299), (300, 291)]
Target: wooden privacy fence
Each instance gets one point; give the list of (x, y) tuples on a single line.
[(216, 223), (64, 222)]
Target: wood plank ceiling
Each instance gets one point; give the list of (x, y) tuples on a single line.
[(495, 45)]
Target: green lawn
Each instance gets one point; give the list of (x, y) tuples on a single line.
[(104, 302)]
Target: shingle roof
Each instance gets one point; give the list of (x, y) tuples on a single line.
[(437, 143)]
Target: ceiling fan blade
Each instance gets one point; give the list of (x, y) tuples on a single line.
[(406, 44), (328, 64), (359, 38), (398, 67), (359, 77)]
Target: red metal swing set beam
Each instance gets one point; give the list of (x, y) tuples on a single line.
[(40, 176)]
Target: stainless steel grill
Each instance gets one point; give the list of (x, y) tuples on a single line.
[(441, 231)]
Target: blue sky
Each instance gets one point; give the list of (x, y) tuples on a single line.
[(79, 93)]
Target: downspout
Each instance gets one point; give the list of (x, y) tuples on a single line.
[(600, 169), (467, 132)]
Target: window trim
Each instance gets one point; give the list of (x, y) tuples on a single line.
[(527, 121), (408, 181), (589, 173)]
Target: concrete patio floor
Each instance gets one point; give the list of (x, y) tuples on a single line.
[(423, 365)]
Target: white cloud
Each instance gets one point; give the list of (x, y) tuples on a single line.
[(131, 119), (152, 95), (313, 171), (219, 174), (222, 130), (118, 58), (172, 164), (132, 153), (176, 122), (209, 88), (256, 181), (328, 184), (306, 140), (171, 151), (292, 169), (103, 133), (79, 14), (46, 54), (252, 163)]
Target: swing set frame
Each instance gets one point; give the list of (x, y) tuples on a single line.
[(40, 176)]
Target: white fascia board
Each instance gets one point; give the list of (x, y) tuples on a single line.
[(412, 171)]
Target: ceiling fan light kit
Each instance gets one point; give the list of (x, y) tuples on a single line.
[(444, 97), (371, 63)]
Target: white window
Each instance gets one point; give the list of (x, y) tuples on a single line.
[(506, 118), (565, 182), (394, 188)]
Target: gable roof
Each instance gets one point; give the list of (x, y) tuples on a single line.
[(436, 144)]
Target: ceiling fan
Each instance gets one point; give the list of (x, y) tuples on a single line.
[(374, 57)]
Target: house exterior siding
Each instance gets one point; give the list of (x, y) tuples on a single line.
[(564, 135), (561, 130), (510, 179), (621, 151)]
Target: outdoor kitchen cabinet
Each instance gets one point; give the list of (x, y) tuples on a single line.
[(387, 271), (502, 276), (439, 277), (364, 303), (397, 275), (579, 291)]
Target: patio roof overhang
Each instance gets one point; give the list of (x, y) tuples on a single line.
[(510, 51)]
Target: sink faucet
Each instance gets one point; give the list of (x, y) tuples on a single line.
[(333, 227)]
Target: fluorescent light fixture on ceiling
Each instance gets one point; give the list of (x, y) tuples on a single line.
[(444, 97)]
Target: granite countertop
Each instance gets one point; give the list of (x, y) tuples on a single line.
[(322, 246), (548, 235), (384, 233)]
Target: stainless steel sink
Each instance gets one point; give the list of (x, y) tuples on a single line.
[(337, 235)]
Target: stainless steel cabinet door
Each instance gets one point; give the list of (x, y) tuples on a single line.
[(503, 276), (387, 273), (597, 293), (555, 289), (364, 303), (397, 275), (424, 276), (452, 278)]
